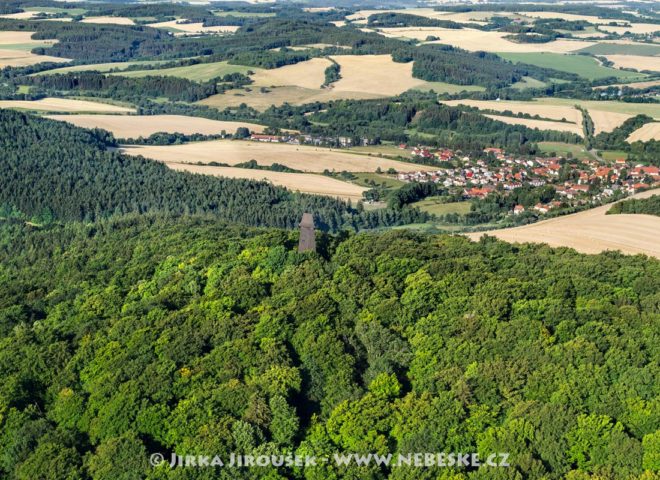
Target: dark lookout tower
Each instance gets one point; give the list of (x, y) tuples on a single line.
[(307, 240)]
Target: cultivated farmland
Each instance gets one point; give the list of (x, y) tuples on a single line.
[(134, 126), (191, 28), (302, 182), (109, 20), (15, 50), (590, 231), (64, 105), (362, 77), (636, 28), (650, 131), (540, 124), (479, 40), (554, 112), (308, 74), (303, 158), (635, 61)]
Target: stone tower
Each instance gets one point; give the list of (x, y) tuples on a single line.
[(307, 237)]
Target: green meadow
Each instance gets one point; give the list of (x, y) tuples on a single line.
[(582, 65)]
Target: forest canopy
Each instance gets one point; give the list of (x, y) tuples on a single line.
[(146, 335)]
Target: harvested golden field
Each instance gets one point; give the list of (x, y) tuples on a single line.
[(303, 158), (554, 112), (540, 124), (606, 115), (301, 182), (362, 16), (590, 231), (51, 104), (134, 126), (568, 16), (15, 50), (17, 58), (479, 40), (650, 131), (192, 28), (309, 74), (374, 74), (636, 28), (278, 96), (606, 121), (19, 16), (109, 20), (651, 83), (637, 62), (362, 77)]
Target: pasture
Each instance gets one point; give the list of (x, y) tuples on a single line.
[(650, 131), (99, 67), (64, 105), (584, 66), (622, 48), (300, 182), (565, 149), (439, 206), (590, 231), (200, 72), (297, 157), (134, 126)]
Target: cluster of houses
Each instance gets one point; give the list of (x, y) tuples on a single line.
[(303, 139), (575, 182)]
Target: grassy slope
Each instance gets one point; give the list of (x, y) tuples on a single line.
[(581, 65), (199, 72)]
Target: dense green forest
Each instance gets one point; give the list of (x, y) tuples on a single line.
[(138, 335), (52, 170), (647, 206)]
